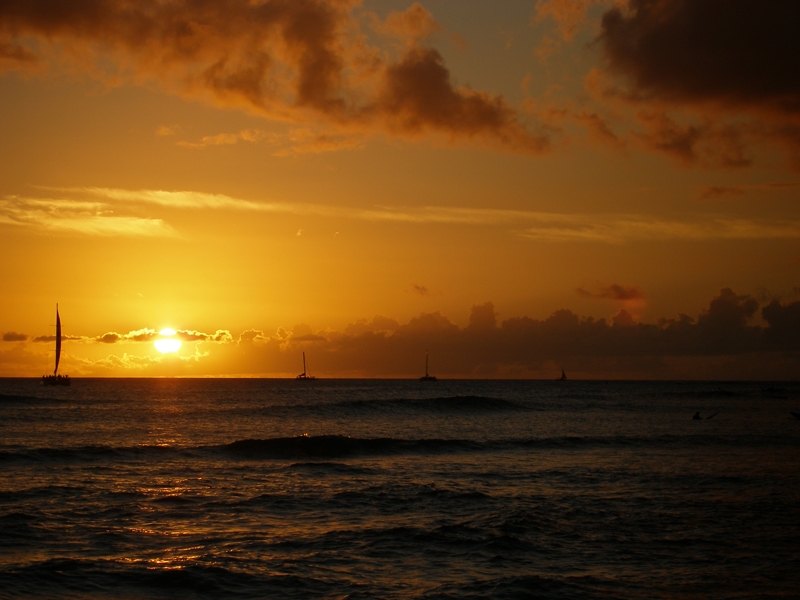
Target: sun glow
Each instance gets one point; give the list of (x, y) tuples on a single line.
[(167, 343)]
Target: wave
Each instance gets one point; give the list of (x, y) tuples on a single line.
[(17, 399), (333, 447), (84, 578), (339, 446), (82, 454), (444, 404)]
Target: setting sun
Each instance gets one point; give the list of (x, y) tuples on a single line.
[(167, 343)]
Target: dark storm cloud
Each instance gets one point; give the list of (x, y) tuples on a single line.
[(739, 52), (299, 60), (710, 79)]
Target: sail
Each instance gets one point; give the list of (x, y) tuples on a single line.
[(58, 340)]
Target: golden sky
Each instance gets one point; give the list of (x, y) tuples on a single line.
[(611, 186)]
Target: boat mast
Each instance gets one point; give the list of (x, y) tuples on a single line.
[(58, 339)]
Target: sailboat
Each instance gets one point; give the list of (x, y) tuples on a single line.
[(303, 374), (55, 378), (427, 377), (563, 375)]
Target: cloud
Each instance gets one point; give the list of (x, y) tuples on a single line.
[(13, 336), (615, 292), (165, 130), (420, 290), (714, 192), (417, 97), (725, 341), (304, 61), (251, 336), (226, 139), (714, 78), (88, 218), (619, 229), (54, 214), (140, 335), (222, 336), (482, 317), (722, 339), (784, 324), (412, 25), (15, 56), (148, 335), (305, 141), (569, 15), (736, 53), (51, 338)]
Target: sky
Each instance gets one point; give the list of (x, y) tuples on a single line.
[(611, 187)]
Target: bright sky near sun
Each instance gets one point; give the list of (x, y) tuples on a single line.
[(611, 186)]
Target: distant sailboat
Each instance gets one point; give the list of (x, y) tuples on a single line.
[(427, 377), (303, 374), (563, 376), (55, 378)]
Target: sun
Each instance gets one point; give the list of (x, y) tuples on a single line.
[(167, 343)]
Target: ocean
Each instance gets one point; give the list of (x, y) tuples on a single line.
[(261, 488)]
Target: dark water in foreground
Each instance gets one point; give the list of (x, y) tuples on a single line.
[(176, 488)]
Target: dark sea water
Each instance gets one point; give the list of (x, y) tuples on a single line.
[(176, 488)]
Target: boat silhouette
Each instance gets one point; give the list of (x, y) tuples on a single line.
[(303, 375), (427, 377), (563, 376), (55, 378)]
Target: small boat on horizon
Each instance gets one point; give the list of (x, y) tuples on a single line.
[(563, 375), (303, 375), (427, 377), (55, 378)]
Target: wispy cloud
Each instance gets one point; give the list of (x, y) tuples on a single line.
[(716, 192), (68, 216), (226, 139), (92, 209), (619, 229)]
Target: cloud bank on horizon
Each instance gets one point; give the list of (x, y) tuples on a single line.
[(723, 342), (711, 82)]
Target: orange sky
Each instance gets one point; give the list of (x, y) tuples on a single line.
[(610, 186)]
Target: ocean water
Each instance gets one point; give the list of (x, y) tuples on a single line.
[(207, 488)]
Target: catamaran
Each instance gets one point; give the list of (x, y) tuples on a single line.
[(303, 374), (55, 378), (427, 377)]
